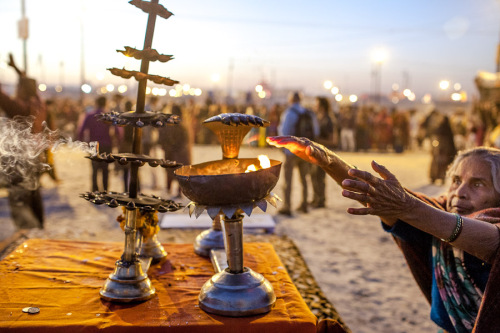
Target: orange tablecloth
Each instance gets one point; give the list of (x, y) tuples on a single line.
[(63, 279)]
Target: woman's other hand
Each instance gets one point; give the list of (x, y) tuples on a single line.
[(384, 197)]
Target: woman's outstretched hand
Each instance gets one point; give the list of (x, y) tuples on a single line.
[(304, 148), (384, 197), (315, 153)]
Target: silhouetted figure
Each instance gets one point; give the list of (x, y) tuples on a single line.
[(325, 137), (288, 126), (174, 140), (94, 130), (26, 205), (438, 130)]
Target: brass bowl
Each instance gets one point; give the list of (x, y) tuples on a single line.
[(225, 182)]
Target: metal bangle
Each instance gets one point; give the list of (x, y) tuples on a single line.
[(457, 231)]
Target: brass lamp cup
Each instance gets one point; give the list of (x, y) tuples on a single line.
[(224, 182), (230, 137), (236, 291)]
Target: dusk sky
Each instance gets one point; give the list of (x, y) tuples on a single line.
[(290, 44)]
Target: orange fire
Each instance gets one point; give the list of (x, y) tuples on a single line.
[(264, 164)]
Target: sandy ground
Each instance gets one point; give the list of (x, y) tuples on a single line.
[(354, 261)]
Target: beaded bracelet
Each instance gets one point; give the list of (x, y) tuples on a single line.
[(457, 231)]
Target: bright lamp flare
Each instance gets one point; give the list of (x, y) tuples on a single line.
[(264, 161), (86, 88), (444, 84), (251, 168)]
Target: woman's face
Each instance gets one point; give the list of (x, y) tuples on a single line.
[(472, 188)]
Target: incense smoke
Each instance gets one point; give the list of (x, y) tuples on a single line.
[(22, 153)]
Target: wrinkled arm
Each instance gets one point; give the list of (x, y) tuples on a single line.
[(314, 153), (386, 198)]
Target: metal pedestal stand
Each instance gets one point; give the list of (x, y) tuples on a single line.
[(209, 239), (153, 249), (236, 291), (128, 282)]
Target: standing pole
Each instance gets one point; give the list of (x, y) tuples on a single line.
[(498, 56), (141, 101), (82, 58), (24, 36)]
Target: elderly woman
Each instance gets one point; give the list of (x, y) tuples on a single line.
[(449, 242)]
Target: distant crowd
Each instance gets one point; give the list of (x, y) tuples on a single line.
[(356, 128)]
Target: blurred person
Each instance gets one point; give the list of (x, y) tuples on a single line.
[(459, 128), (449, 242), (117, 105), (273, 117), (68, 116), (93, 130), (26, 205), (190, 119), (325, 137), (400, 131), (203, 134), (364, 128), (443, 149), (415, 138), (347, 123), (174, 141), (51, 124), (382, 127), (290, 124)]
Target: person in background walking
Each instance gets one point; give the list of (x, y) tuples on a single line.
[(93, 130), (293, 121), (174, 140), (347, 122)]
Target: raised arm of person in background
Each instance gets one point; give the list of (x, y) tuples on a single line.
[(13, 107)]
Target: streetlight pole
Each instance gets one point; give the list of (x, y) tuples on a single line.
[(378, 57), (378, 82), (82, 56), (23, 34), (498, 57)]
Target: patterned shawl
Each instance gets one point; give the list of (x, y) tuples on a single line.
[(461, 297)]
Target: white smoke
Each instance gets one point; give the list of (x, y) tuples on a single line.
[(22, 153)]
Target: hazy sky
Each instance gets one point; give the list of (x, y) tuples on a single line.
[(290, 44)]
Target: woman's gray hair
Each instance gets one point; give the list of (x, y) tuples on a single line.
[(488, 154)]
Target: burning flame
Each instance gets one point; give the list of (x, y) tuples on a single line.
[(264, 164), (264, 161)]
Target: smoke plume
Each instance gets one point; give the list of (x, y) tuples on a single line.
[(22, 153)]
